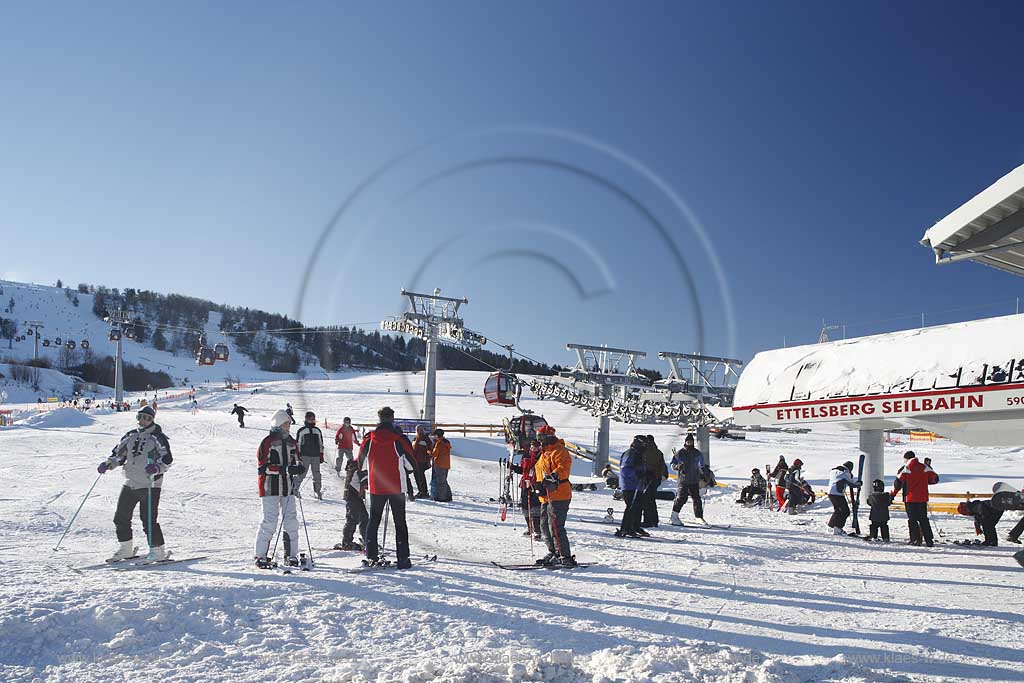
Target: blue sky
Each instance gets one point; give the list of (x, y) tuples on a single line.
[(202, 148)]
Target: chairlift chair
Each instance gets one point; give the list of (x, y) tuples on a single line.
[(84, 344)]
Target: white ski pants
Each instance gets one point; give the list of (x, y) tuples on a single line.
[(273, 508)]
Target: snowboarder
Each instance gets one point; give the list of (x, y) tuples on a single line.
[(796, 487), (632, 479), (756, 490), (552, 476), (311, 450), (278, 463), (291, 413), (343, 440), (779, 474), (985, 519), (655, 472), (421, 446), (241, 413), (689, 463), (441, 455), (840, 478), (145, 455), (879, 502), (530, 503), (915, 478), (354, 495), (384, 458)]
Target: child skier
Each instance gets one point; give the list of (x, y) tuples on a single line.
[(145, 455), (985, 519), (277, 464), (354, 495), (839, 480), (879, 502), (441, 454), (530, 502)]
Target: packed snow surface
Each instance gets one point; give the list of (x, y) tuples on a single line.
[(773, 599)]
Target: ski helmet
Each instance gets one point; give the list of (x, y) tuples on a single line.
[(878, 485), (909, 455), (798, 463), (963, 509), (280, 419)]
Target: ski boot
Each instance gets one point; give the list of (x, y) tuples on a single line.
[(291, 561), (305, 563), (675, 519), (404, 563), (548, 560), (642, 533), (126, 551), (568, 562), (319, 495), (619, 533), (264, 563), (157, 554)]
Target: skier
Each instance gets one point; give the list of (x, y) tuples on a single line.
[(655, 472), (240, 412), (756, 489), (384, 457), (441, 455), (145, 455), (796, 487), (915, 478), (356, 515), (838, 481), (985, 519), (421, 446), (552, 476), (278, 462), (530, 503), (311, 450), (879, 502), (779, 474), (343, 440), (195, 407), (689, 463), (631, 474)]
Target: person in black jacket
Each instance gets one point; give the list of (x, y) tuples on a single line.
[(985, 518), (879, 502), (311, 450), (240, 412), (756, 490)]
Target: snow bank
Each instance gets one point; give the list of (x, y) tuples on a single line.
[(59, 418)]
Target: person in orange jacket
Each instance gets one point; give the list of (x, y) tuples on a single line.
[(441, 454), (551, 474)]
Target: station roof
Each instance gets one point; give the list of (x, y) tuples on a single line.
[(988, 228)]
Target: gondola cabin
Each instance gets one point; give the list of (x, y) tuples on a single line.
[(206, 356), (85, 344), (524, 430), (221, 351), (57, 341), (115, 335), (501, 389), (46, 342), (71, 344)]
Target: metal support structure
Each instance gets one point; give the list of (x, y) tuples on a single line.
[(872, 444), (35, 325), (603, 436), (704, 443), (118, 319), (434, 319)]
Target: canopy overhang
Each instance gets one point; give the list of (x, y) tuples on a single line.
[(988, 229)]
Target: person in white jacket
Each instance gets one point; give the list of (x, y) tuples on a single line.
[(839, 480), (144, 455)]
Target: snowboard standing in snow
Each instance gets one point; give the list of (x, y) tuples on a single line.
[(144, 454)]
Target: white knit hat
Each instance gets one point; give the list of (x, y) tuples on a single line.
[(280, 418)]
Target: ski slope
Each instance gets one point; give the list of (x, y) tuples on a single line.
[(773, 599)]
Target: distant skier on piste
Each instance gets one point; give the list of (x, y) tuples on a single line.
[(291, 413), (914, 479), (441, 455), (879, 501), (240, 412), (311, 450), (277, 464), (344, 440), (145, 456), (839, 480), (385, 457), (632, 481), (555, 493), (688, 462)]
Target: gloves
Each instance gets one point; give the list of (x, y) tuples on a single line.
[(104, 466), (152, 468), (857, 484), (296, 470)]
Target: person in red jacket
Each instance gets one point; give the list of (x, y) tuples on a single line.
[(914, 480), (343, 440), (421, 446), (531, 504), (385, 458)]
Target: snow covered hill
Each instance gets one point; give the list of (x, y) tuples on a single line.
[(772, 599)]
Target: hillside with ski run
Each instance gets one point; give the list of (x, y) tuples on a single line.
[(773, 599)]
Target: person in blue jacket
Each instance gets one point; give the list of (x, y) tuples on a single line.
[(631, 480)]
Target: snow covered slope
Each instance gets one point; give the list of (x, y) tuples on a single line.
[(769, 600)]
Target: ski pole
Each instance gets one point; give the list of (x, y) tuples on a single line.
[(75, 516), (383, 543), (309, 546), (149, 513)]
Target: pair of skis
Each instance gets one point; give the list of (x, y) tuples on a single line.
[(529, 567), (139, 562), (855, 496)]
